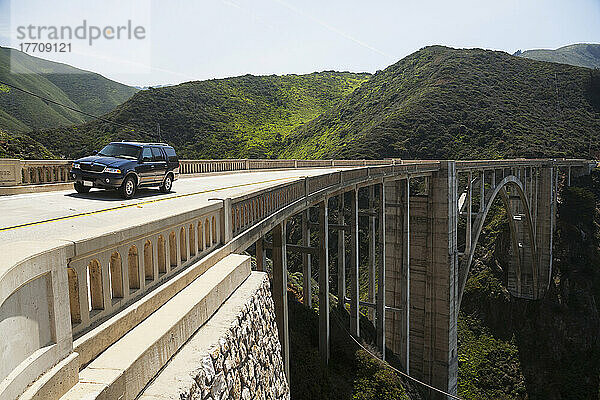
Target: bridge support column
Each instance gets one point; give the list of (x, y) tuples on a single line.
[(469, 206), (341, 256), (407, 271), (280, 292), (440, 367), (380, 298), (372, 246), (396, 278), (544, 223), (354, 265), (306, 261), (324, 282), (433, 277)]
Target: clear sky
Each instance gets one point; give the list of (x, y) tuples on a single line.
[(203, 39)]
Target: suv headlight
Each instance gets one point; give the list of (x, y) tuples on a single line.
[(112, 170), (75, 165)]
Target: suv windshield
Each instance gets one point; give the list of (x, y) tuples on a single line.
[(120, 150)]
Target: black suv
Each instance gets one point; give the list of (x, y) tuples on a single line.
[(126, 166)]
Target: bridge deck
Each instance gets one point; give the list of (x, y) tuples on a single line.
[(67, 215)]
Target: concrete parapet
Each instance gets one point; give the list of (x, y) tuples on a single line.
[(34, 313), (10, 172), (125, 368)]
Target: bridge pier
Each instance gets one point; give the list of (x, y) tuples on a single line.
[(279, 292), (396, 278), (324, 332), (544, 221), (306, 261), (381, 273), (341, 254), (372, 248), (422, 277), (354, 265)]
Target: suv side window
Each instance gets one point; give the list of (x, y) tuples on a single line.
[(157, 154), (146, 154), (171, 154)]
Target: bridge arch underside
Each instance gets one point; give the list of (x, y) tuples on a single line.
[(524, 276)]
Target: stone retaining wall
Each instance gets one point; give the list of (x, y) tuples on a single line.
[(246, 363), (235, 355)]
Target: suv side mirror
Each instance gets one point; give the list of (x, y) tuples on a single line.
[(94, 152)]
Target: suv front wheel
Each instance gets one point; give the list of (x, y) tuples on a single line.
[(167, 184), (128, 188), (79, 188)]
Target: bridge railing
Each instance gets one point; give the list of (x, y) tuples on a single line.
[(204, 166), (54, 293), (35, 331), (14, 172), (522, 162), (45, 171), (248, 210), (110, 272)]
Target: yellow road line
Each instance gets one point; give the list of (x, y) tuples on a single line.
[(8, 228)]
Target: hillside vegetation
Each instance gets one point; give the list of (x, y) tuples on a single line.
[(436, 103), (16, 145), (581, 55), (82, 90), (245, 116), (447, 103)]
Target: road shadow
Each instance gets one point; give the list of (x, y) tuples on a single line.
[(113, 195)]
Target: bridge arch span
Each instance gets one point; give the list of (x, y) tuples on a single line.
[(523, 214)]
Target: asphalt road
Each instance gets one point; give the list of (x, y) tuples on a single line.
[(67, 215)]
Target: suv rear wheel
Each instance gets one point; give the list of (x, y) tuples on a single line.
[(128, 188), (79, 188), (167, 184)]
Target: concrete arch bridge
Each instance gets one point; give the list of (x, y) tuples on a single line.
[(154, 298)]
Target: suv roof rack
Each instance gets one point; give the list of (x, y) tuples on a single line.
[(142, 143)]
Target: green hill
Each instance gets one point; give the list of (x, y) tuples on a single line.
[(447, 103), (83, 90), (17, 145), (581, 55), (245, 116)]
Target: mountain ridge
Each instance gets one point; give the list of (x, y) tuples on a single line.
[(445, 103), (82, 90), (580, 54), (245, 116)]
